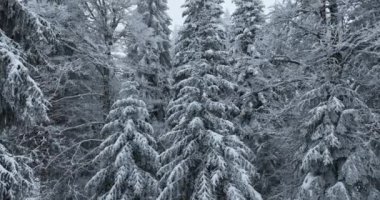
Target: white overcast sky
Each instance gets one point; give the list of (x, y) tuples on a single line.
[(175, 10)]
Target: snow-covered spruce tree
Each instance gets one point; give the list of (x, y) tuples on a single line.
[(22, 102), (152, 58), (339, 145), (340, 135), (301, 39), (247, 19), (34, 34), (127, 161), (21, 98), (253, 98), (335, 130), (16, 177), (24, 26), (204, 159), (155, 17)]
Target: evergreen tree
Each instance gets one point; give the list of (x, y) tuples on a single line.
[(305, 107), (152, 57), (127, 161), (22, 102), (21, 98), (252, 73), (339, 145), (306, 39), (155, 17), (205, 158), (336, 130), (247, 19), (16, 177)]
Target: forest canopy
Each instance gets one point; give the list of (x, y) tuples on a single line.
[(100, 99)]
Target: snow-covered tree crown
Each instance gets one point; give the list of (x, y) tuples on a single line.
[(248, 19), (155, 16), (203, 148), (16, 177), (202, 36), (127, 158), (339, 135), (18, 88)]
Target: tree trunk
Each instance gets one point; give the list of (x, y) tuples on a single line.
[(106, 75)]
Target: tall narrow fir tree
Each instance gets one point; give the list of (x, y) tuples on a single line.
[(204, 159)]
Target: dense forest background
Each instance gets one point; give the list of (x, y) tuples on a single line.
[(99, 99)]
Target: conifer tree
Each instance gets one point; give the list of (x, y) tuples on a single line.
[(127, 161), (155, 17), (21, 98), (339, 145), (152, 57), (22, 104), (204, 159), (16, 177), (247, 19), (336, 132)]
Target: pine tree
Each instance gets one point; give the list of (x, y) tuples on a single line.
[(247, 19), (205, 158), (127, 161)]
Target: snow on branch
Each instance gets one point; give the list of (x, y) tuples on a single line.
[(22, 25), (22, 94), (16, 178)]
